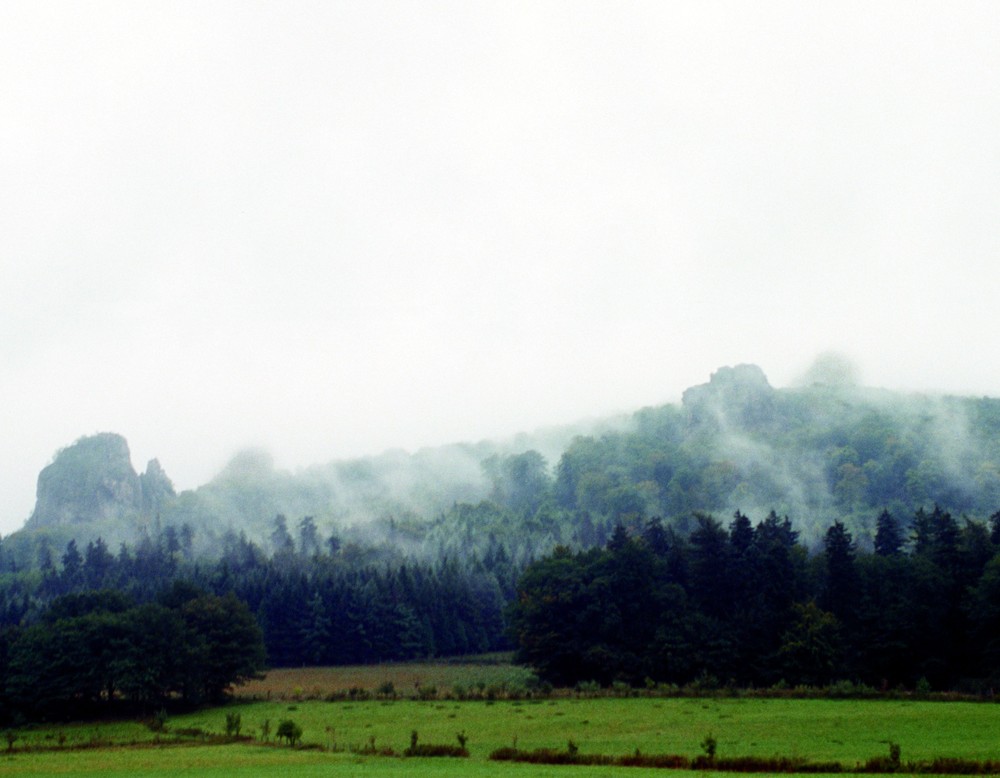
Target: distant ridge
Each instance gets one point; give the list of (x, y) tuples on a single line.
[(817, 453)]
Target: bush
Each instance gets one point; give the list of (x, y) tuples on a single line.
[(661, 761), (436, 749), (709, 746), (290, 731), (588, 688), (765, 764), (549, 756), (233, 724), (158, 722)]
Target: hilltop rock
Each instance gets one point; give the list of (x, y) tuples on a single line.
[(739, 397), (93, 480), (157, 489)]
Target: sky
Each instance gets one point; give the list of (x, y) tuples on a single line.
[(329, 229)]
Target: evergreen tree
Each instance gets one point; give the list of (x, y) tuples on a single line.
[(72, 568), (309, 543), (888, 537), (840, 591), (281, 539), (740, 533)]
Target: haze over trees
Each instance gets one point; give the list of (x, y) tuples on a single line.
[(819, 453), (862, 545)]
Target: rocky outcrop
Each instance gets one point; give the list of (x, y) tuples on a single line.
[(156, 488), (737, 397), (93, 480)]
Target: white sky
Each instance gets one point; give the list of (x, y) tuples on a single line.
[(334, 228)]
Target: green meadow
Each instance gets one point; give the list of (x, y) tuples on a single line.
[(846, 731)]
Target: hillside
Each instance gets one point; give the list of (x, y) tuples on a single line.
[(814, 453)]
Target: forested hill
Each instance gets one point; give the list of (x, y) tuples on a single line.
[(817, 453)]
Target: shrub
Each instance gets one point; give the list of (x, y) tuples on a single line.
[(662, 761), (586, 688), (158, 722), (705, 682), (233, 724), (761, 764), (290, 731), (550, 756), (954, 766), (882, 764), (436, 749)]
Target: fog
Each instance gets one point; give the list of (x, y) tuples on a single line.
[(327, 230)]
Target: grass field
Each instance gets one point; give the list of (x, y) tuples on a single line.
[(225, 761), (846, 731), (838, 730)]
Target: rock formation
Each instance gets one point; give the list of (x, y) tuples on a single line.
[(93, 480)]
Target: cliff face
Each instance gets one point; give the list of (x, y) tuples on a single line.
[(93, 480)]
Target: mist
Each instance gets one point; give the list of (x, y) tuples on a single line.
[(341, 230)]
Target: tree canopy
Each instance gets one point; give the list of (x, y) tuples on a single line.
[(754, 607)]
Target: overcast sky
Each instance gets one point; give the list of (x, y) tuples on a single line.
[(329, 228)]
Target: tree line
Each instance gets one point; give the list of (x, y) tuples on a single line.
[(313, 602), (750, 606), (96, 651), (740, 603)]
